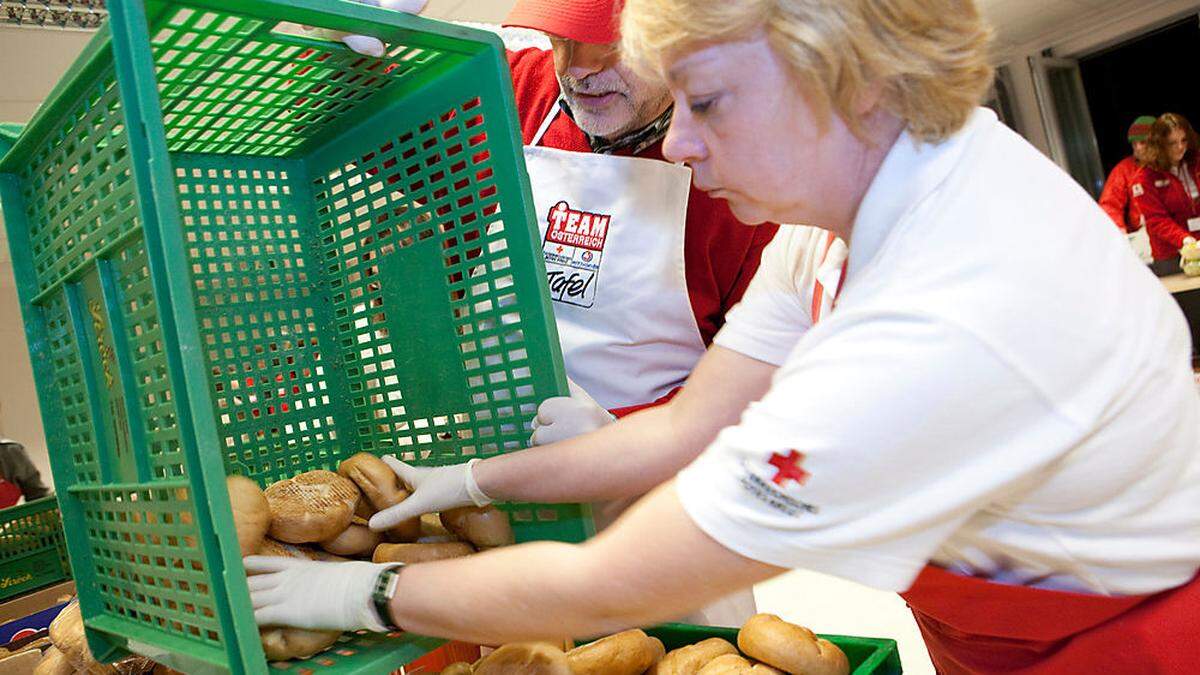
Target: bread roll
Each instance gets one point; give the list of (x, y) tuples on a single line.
[(727, 664), (251, 512), (485, 527), (313, 506), (134, 665), (382, 489), (690, 659), (629, 652), (790, 648), (525, 658), (66, 632), (460, 668), (284, 644), (357, 540), (277, 548), (431, 526), (735, 664), (53, 662), (419, 553)]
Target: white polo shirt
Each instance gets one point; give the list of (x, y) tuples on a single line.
[(1003, 389)]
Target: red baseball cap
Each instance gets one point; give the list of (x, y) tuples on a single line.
[(592, 21)]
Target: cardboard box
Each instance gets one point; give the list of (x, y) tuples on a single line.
[(20, 664), (32, 612)]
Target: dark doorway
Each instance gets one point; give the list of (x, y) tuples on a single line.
[(1149, 75)]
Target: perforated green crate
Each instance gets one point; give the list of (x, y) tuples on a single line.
[(867, 656), (33, 552), (240, 249)]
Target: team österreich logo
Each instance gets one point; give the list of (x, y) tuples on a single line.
[(574, 249)]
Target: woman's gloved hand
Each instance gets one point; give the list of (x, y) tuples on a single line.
[(564, 417), (433, 489), (314, 595)]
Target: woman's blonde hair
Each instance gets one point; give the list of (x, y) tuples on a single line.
[(928, 57)]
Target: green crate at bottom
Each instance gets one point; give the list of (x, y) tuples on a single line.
[(867, 656)]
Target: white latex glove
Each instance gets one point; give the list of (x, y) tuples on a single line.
[(369, 46), (564, 417), (314, 595), (433, 489)]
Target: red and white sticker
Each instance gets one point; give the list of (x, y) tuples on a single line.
[(574, 249)]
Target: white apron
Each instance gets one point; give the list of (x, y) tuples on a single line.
[(612, 231)]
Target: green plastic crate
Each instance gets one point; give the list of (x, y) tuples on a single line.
[(868, 656), (33, 552), (245, 251)]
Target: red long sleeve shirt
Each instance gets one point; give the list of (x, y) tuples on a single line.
[(1117, 198), (1167, 206)]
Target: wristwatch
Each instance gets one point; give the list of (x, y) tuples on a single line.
[(382, 594)]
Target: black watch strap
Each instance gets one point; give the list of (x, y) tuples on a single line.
[(381, 595)]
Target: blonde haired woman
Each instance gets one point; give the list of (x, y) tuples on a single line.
[(983, 425)]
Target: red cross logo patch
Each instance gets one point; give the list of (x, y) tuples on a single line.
[(788, 468)]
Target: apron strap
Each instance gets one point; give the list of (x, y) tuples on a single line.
[(554, 110)]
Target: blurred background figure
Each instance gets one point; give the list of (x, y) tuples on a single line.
[(18, 476), (1117, 198), (1166, 191)]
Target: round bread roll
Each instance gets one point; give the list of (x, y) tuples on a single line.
[(690, 659), (53, 662), (734, 664), (727, 664), (790, 648), (629, 652), (284, 644), (460, 668), (251, 513), (383, 490), (419, 553), (279, 549), (525, 658), (313, 506), (358, 539), (485, 527)]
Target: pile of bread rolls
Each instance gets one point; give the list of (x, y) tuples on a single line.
[(766, 645), (322, 515)]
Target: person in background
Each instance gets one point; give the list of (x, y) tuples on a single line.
[(1117, 198), (18, 476), (1167, 189)]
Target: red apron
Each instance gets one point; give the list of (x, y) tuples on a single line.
[(10, 494), (973, 626)]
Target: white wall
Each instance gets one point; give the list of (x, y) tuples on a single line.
[(19, 416), (1117, 22)]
